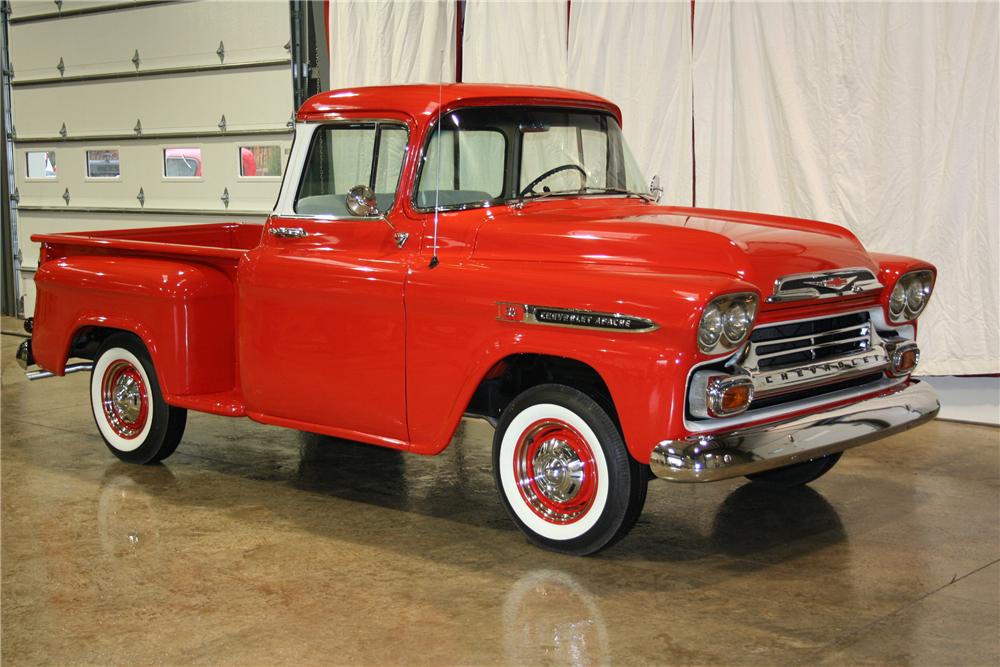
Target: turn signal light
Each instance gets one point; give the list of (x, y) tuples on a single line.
[(728, 395), (904, 359), (736, 398)]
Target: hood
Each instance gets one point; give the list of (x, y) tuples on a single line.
[(753, 247)]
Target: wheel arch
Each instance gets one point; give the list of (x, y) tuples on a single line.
[(520, 371)]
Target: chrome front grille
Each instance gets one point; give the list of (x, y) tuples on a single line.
[(797, 343), (784, 360)]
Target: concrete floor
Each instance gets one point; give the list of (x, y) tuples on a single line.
[(255, 545)]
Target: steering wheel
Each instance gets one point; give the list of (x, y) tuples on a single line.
[(551, 172)]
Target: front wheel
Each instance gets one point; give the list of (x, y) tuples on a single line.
[(135, 422), (563, 473)]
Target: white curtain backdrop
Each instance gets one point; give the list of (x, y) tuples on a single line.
[(638, 55), (383, 43), (879, 117), (515, 42)]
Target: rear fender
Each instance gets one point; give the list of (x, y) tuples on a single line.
[(184, 312)]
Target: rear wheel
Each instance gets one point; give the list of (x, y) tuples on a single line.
[(563, 473), (135, 422), (797, 474)]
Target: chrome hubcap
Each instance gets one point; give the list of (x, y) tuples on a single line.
[(127, 398), (558, 470), (555, 471), (124, 399)]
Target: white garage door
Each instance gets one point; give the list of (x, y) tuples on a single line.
[(146, 114)]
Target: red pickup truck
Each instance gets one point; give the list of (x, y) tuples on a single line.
[(493, 252)]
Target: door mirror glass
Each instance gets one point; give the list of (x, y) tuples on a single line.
[(361, 201)]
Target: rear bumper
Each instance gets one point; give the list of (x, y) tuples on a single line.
[(711, 457)]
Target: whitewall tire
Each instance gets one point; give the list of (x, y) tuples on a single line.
[(563, 473), (134, 421)]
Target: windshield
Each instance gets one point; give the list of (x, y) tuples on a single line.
[(490, 155)]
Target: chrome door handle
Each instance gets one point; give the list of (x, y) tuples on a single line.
[(288, 232)]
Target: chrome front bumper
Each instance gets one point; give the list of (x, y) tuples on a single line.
[(715, 456)]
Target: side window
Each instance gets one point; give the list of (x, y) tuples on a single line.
[(181, 162), (104, 163), (40, 164), (343, 156), (462, 166)]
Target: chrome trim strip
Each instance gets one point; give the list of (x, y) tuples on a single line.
[(722, 455), (802, 286), (573, 318)]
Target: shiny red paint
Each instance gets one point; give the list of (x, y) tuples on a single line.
[(344, 333)]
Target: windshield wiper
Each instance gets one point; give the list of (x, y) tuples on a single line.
[(590, 189)]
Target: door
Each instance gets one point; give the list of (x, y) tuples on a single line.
[(322, 337)]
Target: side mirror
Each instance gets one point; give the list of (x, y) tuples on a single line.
[(655, 188), (361, 202)]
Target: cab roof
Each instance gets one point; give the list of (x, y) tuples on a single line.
[(420, 101)]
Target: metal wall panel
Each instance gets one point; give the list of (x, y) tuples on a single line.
[(26, 8), (249, 99), (178, 96), (166, 36)]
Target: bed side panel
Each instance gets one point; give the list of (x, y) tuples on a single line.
[(183, 310)]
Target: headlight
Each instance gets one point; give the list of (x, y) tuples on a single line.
[(710, 330), (736, 322), (910, 295), (726, 322), (897, 300)]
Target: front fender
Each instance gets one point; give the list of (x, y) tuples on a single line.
[(454, 337)]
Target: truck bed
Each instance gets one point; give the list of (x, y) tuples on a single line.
[(229, 240)]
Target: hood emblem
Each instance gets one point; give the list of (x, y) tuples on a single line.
[(838, 283), (842, 282)]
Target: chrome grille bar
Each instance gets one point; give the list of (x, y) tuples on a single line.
[(780, 364), (864, 339), (822, 334)]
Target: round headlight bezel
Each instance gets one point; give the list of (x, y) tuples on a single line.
[(713, 322), (710, 327), (921, 280), (736, 322), (897, 300)]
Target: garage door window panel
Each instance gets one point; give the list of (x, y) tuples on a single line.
[(103, 164), (40, 165), (183, 163), (344, 156), (260, 161)]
